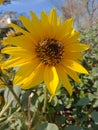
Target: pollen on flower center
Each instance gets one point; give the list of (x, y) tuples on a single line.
[(50, 51)]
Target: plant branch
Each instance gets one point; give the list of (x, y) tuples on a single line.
[(6, 107)]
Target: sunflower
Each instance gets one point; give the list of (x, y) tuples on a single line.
[(47, 51)]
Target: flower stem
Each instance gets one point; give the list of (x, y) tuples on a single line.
[(6, 107), (45, 100), (43, 112), (17, 99), (10, 87), (29, 121)]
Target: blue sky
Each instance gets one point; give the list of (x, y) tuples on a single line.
[(24, 6)]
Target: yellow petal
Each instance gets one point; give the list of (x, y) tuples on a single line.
[(75, 66), (34, 78), (19, 29), (16, 41), (70, 39), (27, 34), (59, 21), (53, 17), (15, 61), (67, 27), (72, 55), (18, 52), (71, 73), (44, 17), (77, 47), (51, 79), (64, 79), (1, 1), (75, 35), (32, 27), (34, 17), (27, 23), (25, 71), (46, 26), (64, 30)]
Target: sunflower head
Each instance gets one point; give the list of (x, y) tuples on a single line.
[(50, 51), (47, 51)]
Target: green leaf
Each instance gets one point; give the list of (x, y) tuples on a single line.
[(24, 99), (54, 102), (95, 104), (74, 128), (95, 84), (95, 71), (52, 126), (91, 96), (83, 101), (94, 116), (42, 126), (60, 119), (95, 126), (47, 126)]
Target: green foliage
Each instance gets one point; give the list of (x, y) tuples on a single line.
[(83, 101), (94, 116), (47, 126), (74, 128), (30, 109)]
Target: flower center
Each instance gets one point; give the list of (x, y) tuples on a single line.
[(50, 51)]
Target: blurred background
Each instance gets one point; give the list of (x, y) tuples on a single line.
[(85, 12)]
